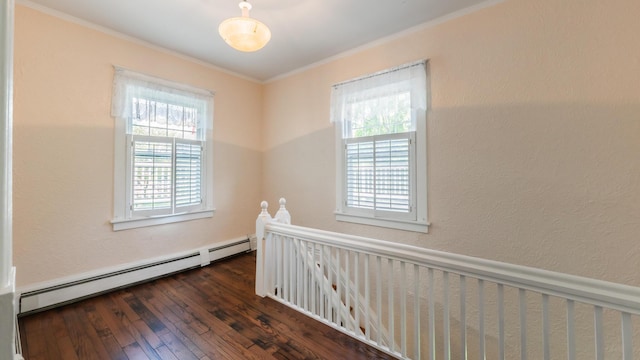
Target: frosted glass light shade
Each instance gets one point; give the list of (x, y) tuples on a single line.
[(244, 33)]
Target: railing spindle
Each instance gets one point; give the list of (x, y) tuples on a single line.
[(545, 327), (599, 332), (280, 266), (322, 300), (356, 294), (298, 251), (391, 306), (292, 269), (627, 336), (347, 286), (378, 300), (416, 311), (331, 314), (523, 323), (432, 318), (482, 339), (305, 275), (446, 316), (285, 270), (403, 309), (501, 347), (314, 283), (571, 332), (367, 298), (463, 317), (338, 283)]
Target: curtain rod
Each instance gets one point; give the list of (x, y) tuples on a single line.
[(382, 72)]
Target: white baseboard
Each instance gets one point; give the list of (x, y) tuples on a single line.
[(61, 291)]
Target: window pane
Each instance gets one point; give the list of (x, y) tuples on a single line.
[(154, 118), (380, 115), (152, 175)]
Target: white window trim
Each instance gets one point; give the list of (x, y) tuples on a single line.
[(421, 224), (121, 219), (126, 224)]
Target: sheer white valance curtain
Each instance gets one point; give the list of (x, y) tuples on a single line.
[(129, 85), (381, 91)]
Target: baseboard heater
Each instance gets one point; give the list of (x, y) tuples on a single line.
[(62, 291)]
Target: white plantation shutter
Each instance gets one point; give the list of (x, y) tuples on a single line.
[(360, 186), (166, 174), (152, 175), (188, 173), (379, 176)]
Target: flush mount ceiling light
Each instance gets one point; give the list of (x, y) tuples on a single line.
[(244, 33)]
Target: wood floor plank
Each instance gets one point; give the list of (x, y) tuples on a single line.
[(127, 323), (135, 352), (166, 354), (112, 318), (31, 336), (209, 313), (61, 334), (104, 332), (84, 339), (50, 337)]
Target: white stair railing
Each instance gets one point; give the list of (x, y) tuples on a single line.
[(347, 292), (437, 305)]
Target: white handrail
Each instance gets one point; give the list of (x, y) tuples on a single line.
[(375, 283), (591, 291)]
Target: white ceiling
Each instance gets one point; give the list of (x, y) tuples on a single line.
[(304, 32)]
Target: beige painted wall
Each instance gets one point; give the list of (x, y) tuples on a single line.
[(64, 151), (533, 136), (533, 139)]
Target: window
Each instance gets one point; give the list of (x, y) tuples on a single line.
[(381, 160), (163, 170)]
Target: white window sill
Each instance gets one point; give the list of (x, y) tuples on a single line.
[(415, 226), (124, 224)]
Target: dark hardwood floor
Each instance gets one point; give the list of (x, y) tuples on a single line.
[(207, 313)]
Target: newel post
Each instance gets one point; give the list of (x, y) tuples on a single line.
[(261, 221), (283, 216)]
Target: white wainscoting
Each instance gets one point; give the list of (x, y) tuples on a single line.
[(60, 291)]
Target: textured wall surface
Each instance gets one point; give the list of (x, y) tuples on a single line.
[(533, 140), (64, 151), (533, 136)]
